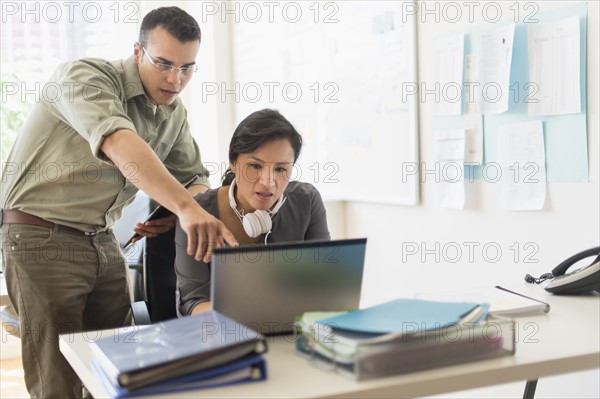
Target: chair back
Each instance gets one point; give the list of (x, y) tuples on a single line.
[(159, 276), (135, 212)]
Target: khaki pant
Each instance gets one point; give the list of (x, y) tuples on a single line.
[(61, 282)]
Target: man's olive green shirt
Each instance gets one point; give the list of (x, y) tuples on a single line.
[(56, 170)]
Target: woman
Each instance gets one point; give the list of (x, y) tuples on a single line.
[(257, 202)]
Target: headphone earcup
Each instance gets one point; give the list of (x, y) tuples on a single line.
[(251, 226), (257, 223), (265, 220)]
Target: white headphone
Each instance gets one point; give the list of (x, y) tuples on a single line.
[(257, 222)]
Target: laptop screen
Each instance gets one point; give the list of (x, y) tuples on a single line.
[(266, 286)]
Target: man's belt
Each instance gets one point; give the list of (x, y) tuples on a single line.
[(20, 217)]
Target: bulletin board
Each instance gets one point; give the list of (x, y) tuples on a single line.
[(337, 73), (565, 136)]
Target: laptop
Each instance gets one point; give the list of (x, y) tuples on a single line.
[(266, 286)]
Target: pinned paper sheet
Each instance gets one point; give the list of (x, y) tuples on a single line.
[(472, 94), (495, 58), (450, 55), (473, 139), (473, 117), (554, 67), (522, 160), (450, 157)]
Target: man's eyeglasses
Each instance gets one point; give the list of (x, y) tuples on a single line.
[(164, 68)]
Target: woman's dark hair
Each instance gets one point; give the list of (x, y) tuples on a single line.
[(176, 21), (256, 129)]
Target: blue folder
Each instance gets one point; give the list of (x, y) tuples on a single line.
[(396, 315), (149, 355), (248, 369)]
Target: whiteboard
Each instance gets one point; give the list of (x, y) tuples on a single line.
[(337, 71)]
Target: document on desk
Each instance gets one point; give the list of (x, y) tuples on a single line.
[(503, 302)]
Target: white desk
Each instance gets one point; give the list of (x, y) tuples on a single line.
[(565, 340)]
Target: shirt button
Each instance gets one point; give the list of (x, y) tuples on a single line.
[(18, 236), (12, 248)]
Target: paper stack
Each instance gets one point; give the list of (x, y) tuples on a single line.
[(402, 335)]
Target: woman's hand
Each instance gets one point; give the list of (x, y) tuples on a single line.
[(152, 228)]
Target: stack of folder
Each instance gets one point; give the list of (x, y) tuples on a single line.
[(200, 351), (401, 336)]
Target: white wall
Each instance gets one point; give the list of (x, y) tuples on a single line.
[(210, 120), (530, 242), (570, 222)]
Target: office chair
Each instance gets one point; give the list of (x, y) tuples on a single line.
[(159, 281), (135, 212)]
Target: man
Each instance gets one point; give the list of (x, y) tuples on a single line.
[(117, 127)]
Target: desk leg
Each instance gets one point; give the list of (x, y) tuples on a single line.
[(530, 389)]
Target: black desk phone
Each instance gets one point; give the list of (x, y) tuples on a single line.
[(578, 281)]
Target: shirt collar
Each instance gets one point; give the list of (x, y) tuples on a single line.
[(133, 83), (134, 88)]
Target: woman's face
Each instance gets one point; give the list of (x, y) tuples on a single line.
[(262, 176)]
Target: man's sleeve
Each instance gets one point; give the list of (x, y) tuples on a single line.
[(90, 100)]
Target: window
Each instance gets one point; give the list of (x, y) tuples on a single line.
[(37, 36)]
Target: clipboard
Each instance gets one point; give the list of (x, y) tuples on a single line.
[(157, 213)]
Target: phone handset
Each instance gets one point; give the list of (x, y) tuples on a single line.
[(581, 280)]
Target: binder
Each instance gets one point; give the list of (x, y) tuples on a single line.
[(248, 369), (174, 348)]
